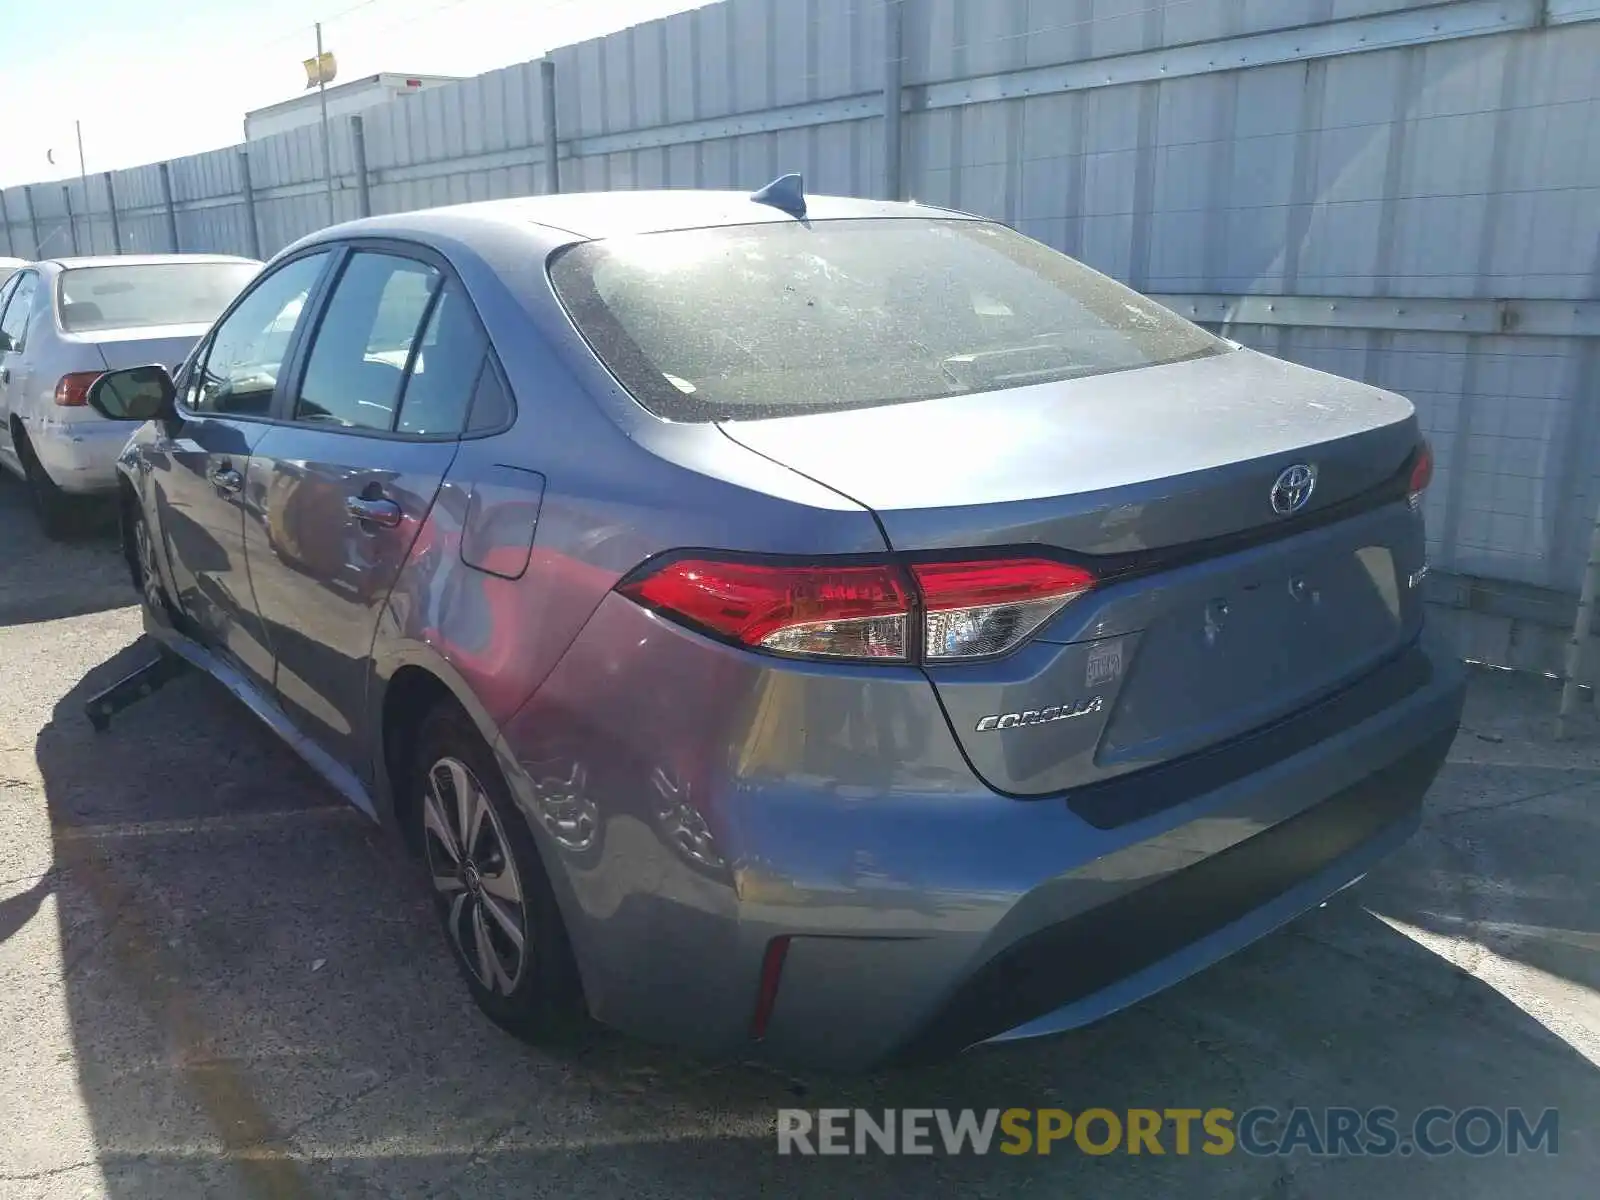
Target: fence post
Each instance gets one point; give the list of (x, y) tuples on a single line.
[(5, 223), (893, 73), (247, 189), (1571, 686), (72, 224), (358, 150), (552, 165), (111, 207), (166, 200), (33, 220)]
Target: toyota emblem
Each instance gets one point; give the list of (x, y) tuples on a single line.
[(1293, 489)]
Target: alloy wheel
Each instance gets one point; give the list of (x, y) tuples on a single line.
[(474, 876), (149, 577)]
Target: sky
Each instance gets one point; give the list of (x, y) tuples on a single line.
[(154, 79)]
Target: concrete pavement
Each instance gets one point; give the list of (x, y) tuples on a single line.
[(216, 981)]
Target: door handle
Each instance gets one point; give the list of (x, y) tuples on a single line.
[(5, 374), (226, 479), (375, 512)]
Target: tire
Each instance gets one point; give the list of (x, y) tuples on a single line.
[(52, 507), (146, 572), (494, 889)]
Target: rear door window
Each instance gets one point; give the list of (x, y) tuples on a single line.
[(785, 318), (364, 343)]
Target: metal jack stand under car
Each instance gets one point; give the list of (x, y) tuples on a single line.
[(132, 688)]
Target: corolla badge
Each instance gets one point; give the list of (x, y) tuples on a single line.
[(1041, 716), (1292, 490)]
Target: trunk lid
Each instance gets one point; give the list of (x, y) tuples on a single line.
[(138, 346), (1218, 614)]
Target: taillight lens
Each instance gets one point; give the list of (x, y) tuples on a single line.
[(72, 391), (962, 610), (980, 609), (836, 611), (1421, 475)]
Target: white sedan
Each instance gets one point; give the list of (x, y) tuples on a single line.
[(65, 321)]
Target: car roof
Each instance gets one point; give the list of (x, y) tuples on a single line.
[(589, 215), (141, 260)]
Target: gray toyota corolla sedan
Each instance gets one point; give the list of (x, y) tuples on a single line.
[(817, 628)]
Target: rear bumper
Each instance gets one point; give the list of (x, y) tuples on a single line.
[(1183, 889), (1094, 964), (923, 912), (80, 456)]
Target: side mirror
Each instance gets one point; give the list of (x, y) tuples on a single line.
[(5, 341), (134, 394)]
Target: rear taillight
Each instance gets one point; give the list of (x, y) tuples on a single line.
[(938, 611), (837, 611), (980, 609), (1421, 474), (72, 391)]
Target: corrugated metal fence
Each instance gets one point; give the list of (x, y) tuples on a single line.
[(1406, 193)]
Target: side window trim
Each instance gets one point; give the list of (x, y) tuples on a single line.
[(23, 276), (288, 386), (194, 370), (440, 283), (305, 335), (6, 288), (491, 366), (334, 251)]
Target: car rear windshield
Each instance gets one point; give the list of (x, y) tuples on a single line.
[(787, 318), (118, 297)]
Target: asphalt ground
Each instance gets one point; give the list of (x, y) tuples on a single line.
[(217, 981)]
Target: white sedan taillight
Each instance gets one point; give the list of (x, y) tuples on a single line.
[(72, 391)]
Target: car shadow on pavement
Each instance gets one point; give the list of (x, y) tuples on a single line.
[(45, 580), (260, 1004)]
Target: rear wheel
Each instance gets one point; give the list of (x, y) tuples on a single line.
[(52, 507), (489, 886)]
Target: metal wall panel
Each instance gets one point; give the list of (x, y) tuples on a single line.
[(1339, 173), (50, 220), (957, 39)]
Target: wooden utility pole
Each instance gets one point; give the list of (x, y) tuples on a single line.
[(322, 100)]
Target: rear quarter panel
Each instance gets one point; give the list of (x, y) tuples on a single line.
[(607, 487)]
